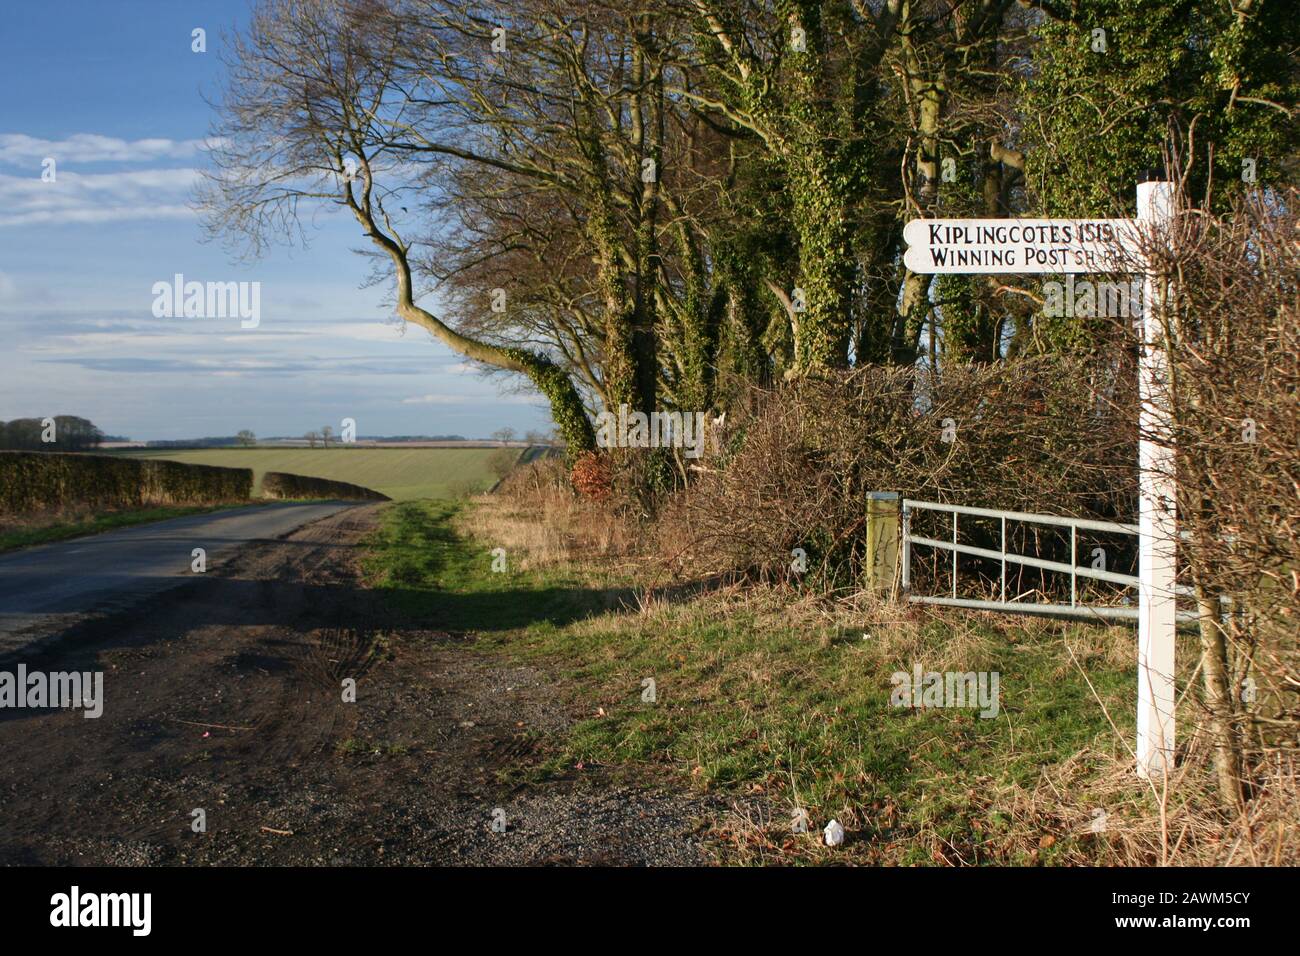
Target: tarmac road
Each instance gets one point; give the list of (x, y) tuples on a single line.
[(53, 584)]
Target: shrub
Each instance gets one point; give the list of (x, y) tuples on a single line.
[(40, 481), (502, 461), (541, 478), (591, 476), (1051, 435), (1235, 358), (279, 484)]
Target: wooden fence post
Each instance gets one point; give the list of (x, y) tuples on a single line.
[(882, 540)]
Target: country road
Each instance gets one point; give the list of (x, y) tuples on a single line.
[(43, 588), (225, 697)]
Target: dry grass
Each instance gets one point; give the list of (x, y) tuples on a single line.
[(772, 696), (17, 523), (1177, 823), (542, 524), (43, 527)]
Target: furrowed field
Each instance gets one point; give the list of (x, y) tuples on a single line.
[(401, 473)]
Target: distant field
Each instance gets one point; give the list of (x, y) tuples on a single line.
[(401, 473)]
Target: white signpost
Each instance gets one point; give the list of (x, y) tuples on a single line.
[(1036, 246), (999, 246)]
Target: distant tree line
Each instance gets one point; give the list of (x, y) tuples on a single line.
[(60, 433), (325, 437), (215, 442), (396, 438)]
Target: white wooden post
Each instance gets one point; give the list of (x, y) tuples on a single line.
[(1157, 520), (1056, 246)]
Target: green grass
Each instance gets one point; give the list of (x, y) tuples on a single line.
[(62, 530), (433, 574), (403, 474), (756, 699)]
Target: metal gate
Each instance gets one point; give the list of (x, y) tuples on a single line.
[(1073, 569)]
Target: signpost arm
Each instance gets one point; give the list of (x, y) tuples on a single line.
[(1157, 520)]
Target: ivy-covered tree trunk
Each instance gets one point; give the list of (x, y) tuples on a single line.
[(646, 110), (567, 410), (630, 359), (699, 313), (927, 92), (822, 140), (826, 264)]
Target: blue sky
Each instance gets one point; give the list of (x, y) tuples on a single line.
[(111, 90)]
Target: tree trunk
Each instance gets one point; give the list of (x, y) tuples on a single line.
[(826, 266), (551, 380), (1219, 701)]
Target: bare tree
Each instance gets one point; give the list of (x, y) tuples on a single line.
[(315, 114)]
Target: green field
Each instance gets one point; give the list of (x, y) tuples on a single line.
[(403, 474)]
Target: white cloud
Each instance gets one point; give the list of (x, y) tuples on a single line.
[(21, 292), (434, 400), (514, 398), (364, 331), (19, 149), (357, 331), (100, 197), (76, 343)]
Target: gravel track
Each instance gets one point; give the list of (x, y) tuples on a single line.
[(224, 695)]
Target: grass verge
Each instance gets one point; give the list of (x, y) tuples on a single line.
[(28, 531), (784, 700)]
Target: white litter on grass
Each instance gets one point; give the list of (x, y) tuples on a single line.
[(834, 833), (1098, 824)]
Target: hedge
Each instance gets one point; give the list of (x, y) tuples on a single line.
[(279, 484), (38, 481)]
